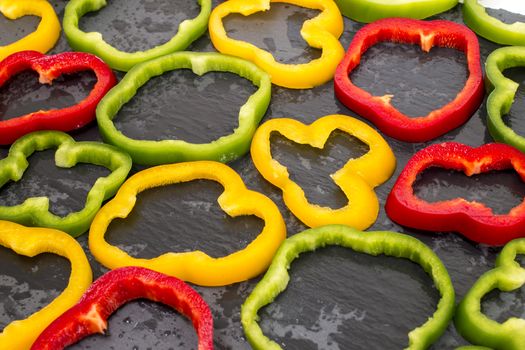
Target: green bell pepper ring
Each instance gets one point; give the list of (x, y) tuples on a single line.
[(35, 211), (188, 31), (503, 92), (477, 328), (477, 18), (374, 243), (224, 149), (371, 10)]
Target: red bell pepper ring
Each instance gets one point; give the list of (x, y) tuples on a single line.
[(379, 110), (116, 288), (474, 220), (50, 68)]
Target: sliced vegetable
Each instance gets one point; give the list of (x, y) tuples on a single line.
[(379, 110), (116, 288), (35, 211), (474, 220), (21, 334), (374, 243), (195, 267), (189, 30), (356, 179), (46, 34), (224, 149), (321, 32), (49, 68)]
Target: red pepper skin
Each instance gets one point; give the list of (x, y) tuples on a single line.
[(116, 288), (50, 68), (379, 110), (474, 220)]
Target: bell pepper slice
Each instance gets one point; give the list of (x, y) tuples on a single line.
[(322, 32), (472, 219), (491, 28), (21, 334), (49, 68), (357, 178), (371, 10), (35, 211), (373, 243), (224, 149), (475, 326), (189, 30), (46, 34), (503, 92), (379, 110), (195, 267), (114, 289)]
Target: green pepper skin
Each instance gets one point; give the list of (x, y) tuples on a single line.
[(371, 10), (503, 92), (188, 31), (35, 211), (473, 325), (224, 149), (477, 18), (374, 243)]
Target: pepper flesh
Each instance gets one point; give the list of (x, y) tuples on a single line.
[(357, 178), (373, 243), (371, 10), (473, 325), (46, 34), (35, 211), (49, 68), (503, 92), (472, 219), (320, 32), (224, 149), (379, 110), (30, 242), (189, 30), (195, 267), (116, 288), (491, 28)]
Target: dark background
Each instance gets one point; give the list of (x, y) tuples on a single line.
[(337, 299)]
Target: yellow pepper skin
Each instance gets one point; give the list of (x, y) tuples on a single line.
[(46, 34), (195, 267), (21, 334), (357, 178), (321, 32)]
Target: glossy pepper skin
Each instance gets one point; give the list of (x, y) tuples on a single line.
[(189, 30), (491, 28), (371, 10), (224, 149), (30, 242), (379, 110), (49, 68), (503, 92), (473, 325), (35, 211), (195, 267), (373, 243), (322, 32), (116, 288), (46, 34), (474, 220), (357, 179)]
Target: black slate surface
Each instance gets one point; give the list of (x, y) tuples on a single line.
[(337, 299)]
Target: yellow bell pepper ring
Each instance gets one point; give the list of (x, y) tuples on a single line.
[(195, 267), (21, 334), (46, 34), (322, 32), (357, 178)]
